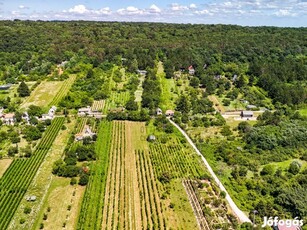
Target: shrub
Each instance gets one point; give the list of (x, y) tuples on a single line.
[(267, 170), (27, 210), (294, 167), (22, 220), (73, 181)]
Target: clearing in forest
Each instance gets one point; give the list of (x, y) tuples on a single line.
[(43, 94)]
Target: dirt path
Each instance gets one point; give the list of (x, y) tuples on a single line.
[(241, 215)]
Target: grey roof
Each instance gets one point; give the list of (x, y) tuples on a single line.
[(247, 112)]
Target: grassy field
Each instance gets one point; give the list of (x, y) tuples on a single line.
[(4, 164), (41, 184), (217, 105), (167, 85), (43, 94), (139, 92), (61, 205), (63, 90)]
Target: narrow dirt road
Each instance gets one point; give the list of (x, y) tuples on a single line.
[(241, 215)]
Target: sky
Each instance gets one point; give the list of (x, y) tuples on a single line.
[(282, 13)]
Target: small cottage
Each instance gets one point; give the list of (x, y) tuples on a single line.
[(142, 72), (86, 132), (251, 107), (50, 114), (8, 119), (84, 111), (159, 111), (5, 87), (169, 113), (191, 70), (31, 198), (247, 114), (151, 138)]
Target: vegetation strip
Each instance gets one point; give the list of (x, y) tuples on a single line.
[(90, 216), (16, 180)]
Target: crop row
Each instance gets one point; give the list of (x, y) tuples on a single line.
[(90, 216), (175, 159), (116, 99), (16, 180), (98, 105), (115, 180), (196, 204), (152, 216), (63, 90)]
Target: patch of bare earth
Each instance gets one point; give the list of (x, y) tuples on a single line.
[(4, 164)]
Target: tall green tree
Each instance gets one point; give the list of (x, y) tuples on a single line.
[(23, 90)]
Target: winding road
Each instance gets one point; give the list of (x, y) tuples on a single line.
[(241, 215)]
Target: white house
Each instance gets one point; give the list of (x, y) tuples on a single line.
[(86, 132), (247, 114), (191, 70), (159, 111), (84, 111), (50, 114), (25, 117), (8, 119), (169, 113), (142, 72)]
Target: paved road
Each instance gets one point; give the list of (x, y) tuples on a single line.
[(241, 215)]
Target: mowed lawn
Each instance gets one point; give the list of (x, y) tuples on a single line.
[(43, 94)]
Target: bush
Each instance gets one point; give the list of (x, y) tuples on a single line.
[(22, 220), (83, 179), (223, 194), (41, 226), (294, 167), (267, 170), (27, 210), (73, 181)]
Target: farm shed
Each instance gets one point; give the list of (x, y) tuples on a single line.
[(169, 113), (159, 111), (151, 138), (247, 114)]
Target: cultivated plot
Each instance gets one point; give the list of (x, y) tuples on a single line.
[(43, 94)]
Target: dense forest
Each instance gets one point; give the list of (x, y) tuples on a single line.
[(274, 58)]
